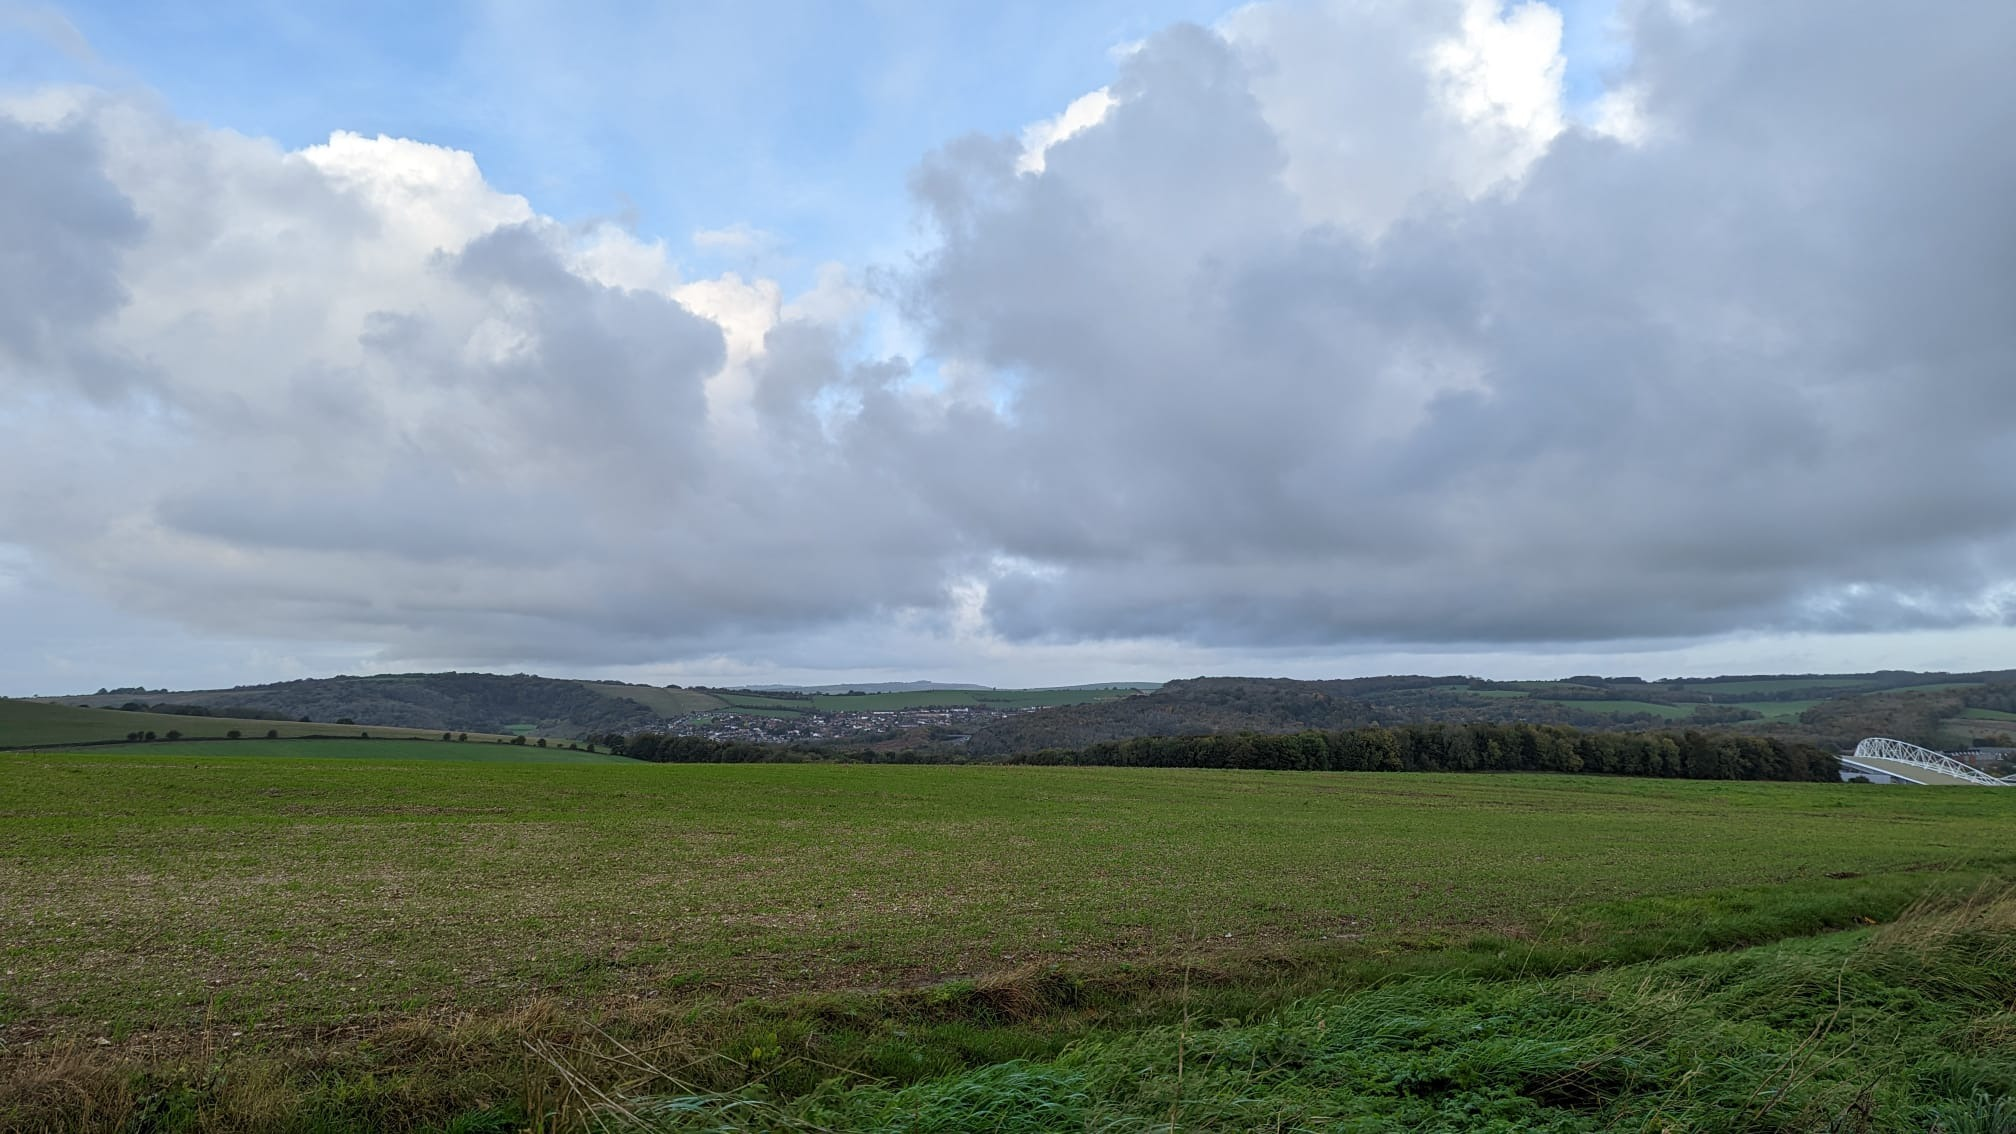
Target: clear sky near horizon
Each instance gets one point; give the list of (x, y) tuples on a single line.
[(1031, 344)]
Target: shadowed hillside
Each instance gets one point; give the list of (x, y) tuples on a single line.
[(1936, 709), (471, 702)]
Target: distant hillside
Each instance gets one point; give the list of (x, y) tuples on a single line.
[(559, 708), (30, 724), (867, 687), (462, 702), (1937, 709), (946, 686)]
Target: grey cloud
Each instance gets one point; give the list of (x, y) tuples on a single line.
[(440, 524), (63, 229), (603, 364), (1678, 389)]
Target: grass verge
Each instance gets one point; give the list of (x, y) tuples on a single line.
[(1907, 1027)]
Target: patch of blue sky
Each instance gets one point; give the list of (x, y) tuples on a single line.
[(792, 116), (798, 118), (1595, 49)]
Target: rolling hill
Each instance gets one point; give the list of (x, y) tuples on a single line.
[(463, 702), (1936, 709), (426, 704), (32, 724)]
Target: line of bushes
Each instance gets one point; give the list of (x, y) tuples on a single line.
[(1689, 754)]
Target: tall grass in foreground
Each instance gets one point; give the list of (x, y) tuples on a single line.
[(1908, 1027)]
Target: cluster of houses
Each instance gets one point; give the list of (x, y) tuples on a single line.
[(944, 724)]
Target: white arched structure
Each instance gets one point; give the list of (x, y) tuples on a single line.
[(1896, 752)]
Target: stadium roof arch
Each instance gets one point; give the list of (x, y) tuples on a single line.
[(1880, 755)]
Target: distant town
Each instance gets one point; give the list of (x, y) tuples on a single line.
[(951, 724)]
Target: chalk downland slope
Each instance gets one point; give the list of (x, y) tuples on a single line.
[(32, 724), (460, 702), (1943, 711)]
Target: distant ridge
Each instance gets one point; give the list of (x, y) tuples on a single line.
[(930, 686), (866, 687), (564, 708), (1937, 710)]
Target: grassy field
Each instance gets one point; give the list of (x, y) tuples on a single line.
[(190, 911), (1941, 687), (29, 723), (757, 704), (1903, 1028), (1620, 708), (1036, 698), (1987, 715), (667, 702), (390, 750), (1777, 710), (940, 698), (520, 877), (761, 705), (1768, 685)]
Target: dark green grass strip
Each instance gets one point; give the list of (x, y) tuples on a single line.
[(1903, 1029)]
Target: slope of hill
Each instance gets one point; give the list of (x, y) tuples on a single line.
[(944, 686), (1936, 709), (665, 701), (866, 687), (486, 751), (465, 702), (561, 708), (31, 724)]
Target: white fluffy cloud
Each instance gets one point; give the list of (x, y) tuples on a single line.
[(1322, 329), (1378, 106), (355, 390)]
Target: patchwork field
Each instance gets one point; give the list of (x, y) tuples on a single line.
[(1752, 687), (760, 704), (1620, 708), (374, 749), (1777, 710), (275, 911), (29, 723)]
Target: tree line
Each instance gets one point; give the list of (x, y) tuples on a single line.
[(1688, 754)]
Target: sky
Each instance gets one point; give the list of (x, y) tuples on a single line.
[(1022, 345)]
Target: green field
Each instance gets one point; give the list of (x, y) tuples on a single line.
[(758, 704), (29, 723), (1038, 698), (518, 875), (1941, 687), (882, 702), (393, 750), (1987, 715), (1777, 710), (667, 702), (1767, 685), (1903, 1028), (335, 914), (1620, 708)]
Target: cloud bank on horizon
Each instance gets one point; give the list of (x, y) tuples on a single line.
[(1330, 330)]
